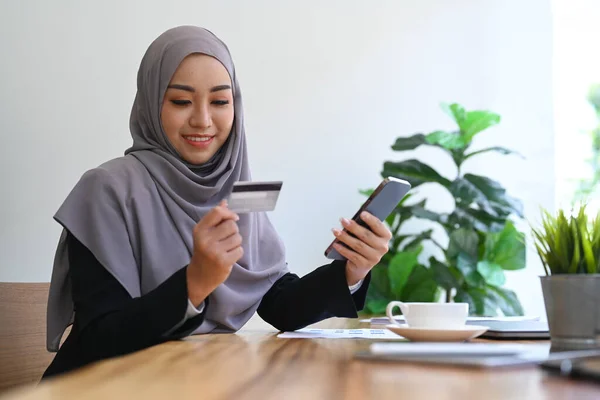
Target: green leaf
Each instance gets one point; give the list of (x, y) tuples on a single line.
[(427, 291), (376, 306), (403, 214), (477, 121), (413, 171), (442, 274), (400, 269), (509, 205), (456, 111), (463, 240), (380, 280), (485, 304), (409, 143), (460, 218), (397, 240), (464, 297), (507, 300), (480, 304), (470, 122), (595, 234), (421, 212), (458, 156), (447, 140), (385, 260), (506, 248), (421, 286), (492, 223), (586, 244), (391, 219), (456, 273), (495, 195), (379, 291), (491, 189), (474, 218), (417, 239), (492, 273), (573, 245), (466, 193), (366, 192), (593, 96), (408, 207), (501, 150), (406, 197), (467, 265)]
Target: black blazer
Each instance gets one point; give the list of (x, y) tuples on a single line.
[(109, 322)]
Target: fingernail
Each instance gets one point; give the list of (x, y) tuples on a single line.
[(336, 232), (237, 217), (364, 214), (344, 221)]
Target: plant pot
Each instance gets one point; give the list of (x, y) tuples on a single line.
[(573, 310)]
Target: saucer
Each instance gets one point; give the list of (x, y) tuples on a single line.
[(418, 334)]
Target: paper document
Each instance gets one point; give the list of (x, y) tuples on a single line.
[(479, 355), (340, 334), (457, 349), (400, 318)]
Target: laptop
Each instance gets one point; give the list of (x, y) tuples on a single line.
[(515, 330), (535, 355)]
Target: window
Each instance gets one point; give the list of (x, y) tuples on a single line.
[(576, 69)]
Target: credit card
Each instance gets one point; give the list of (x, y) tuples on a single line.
[(254, 196)]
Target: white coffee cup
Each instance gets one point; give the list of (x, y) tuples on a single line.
[(430, 315)]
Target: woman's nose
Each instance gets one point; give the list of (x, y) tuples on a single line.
[(201, 117)]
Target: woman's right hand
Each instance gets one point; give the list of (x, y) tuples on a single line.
[(217, 246)]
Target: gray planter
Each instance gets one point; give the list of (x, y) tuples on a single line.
[(573, 310)]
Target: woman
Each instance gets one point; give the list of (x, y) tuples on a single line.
[(150, 252)]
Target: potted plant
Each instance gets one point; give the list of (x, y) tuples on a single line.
[(482, 240), (569, 248)]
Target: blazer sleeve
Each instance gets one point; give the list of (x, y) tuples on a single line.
[(109, 322), (293, 302)]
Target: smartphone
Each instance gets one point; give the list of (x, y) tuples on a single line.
[(381, 203)]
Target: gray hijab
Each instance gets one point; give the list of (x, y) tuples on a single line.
[(136, 213)]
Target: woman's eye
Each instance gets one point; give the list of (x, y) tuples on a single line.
[(181, 102), (221, 102)]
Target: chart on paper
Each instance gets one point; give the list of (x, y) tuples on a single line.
[(307, 333), (400, 318)]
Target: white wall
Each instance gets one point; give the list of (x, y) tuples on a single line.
[(327, 87)]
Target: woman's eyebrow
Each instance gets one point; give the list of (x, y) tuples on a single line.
[(188, 88), (219, 88), (181, 87)]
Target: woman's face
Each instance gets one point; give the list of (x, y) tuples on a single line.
[(197, 110)]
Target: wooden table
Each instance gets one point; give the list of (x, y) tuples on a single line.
[(255, 364)]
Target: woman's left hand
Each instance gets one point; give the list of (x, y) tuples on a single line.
[(366, 249)]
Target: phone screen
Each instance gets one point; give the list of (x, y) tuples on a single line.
[(381, 203)]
